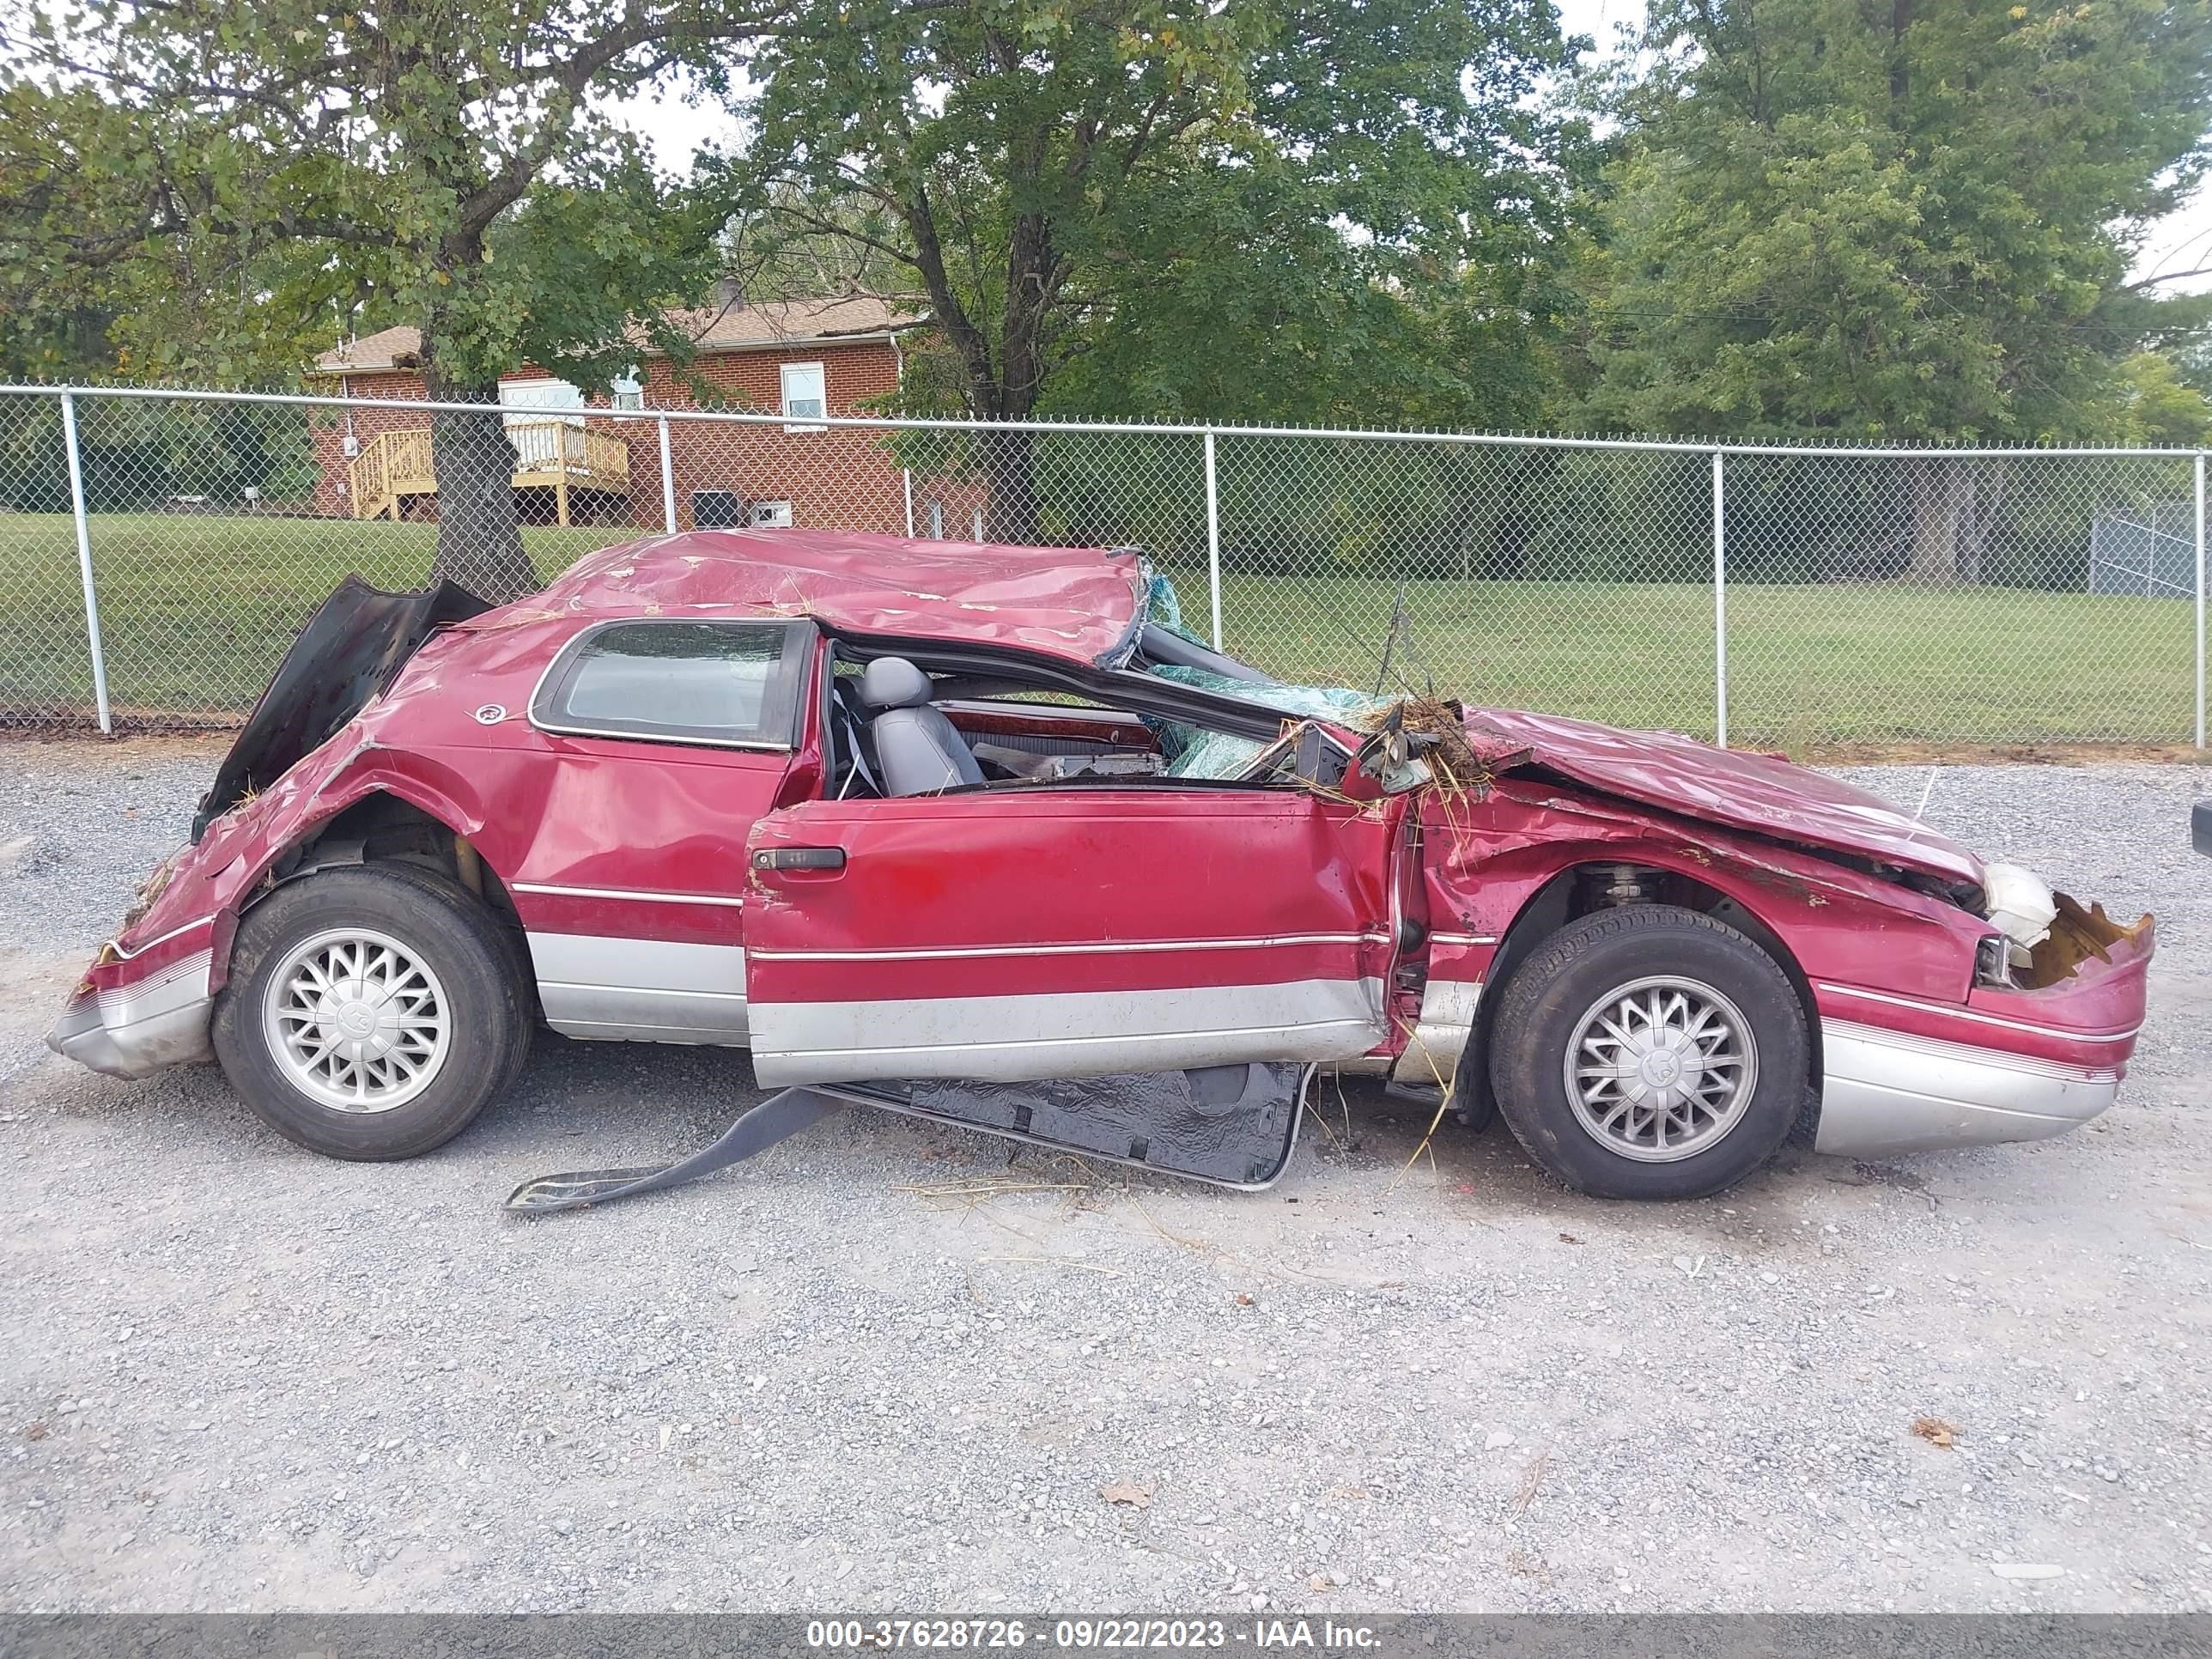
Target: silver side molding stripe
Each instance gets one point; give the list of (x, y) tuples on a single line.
[(1937, 1049), (940, 953), (1440, 1036), (1023, 1038), (641, 897), (1462, 939), (571, 984), (1956, 1013), (655, 990), (126, 956)]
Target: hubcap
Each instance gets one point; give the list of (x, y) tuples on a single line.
[(357, 1020), (1661, 1068)]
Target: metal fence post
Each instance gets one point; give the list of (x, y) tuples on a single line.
[(1213, 539), (906, 474), (2200, 599), (84, 563), (1720, 601), (667, 481)]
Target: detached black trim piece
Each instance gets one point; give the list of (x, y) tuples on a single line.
[(2200, 827), (350, 651), (777, 1118), (1231, 1126), (1157, 644)]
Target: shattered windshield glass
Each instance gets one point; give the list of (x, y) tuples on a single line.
[(1194, 752)]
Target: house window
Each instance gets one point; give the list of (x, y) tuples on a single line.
[(804, 396), (726, 682), (715, 509), (626, 391), (936, 521)]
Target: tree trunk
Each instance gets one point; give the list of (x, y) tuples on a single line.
[(1005, 390), (479, 537), (1012, 516), (1940, 492), (1011, 459), (1986, 499)]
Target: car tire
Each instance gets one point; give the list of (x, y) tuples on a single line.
[(1673, 1024), (371, 1012)]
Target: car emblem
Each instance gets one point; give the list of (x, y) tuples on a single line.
[(491, 714)]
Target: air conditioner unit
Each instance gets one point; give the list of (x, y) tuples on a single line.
[(771, 515), (717, 509)]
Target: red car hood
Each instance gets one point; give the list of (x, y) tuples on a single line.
[(1730, 786)]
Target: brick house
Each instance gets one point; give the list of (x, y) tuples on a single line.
[(591, 455)]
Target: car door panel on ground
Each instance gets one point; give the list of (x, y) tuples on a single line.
[(1014, 935)]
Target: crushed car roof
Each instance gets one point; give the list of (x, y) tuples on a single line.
[(1076, 603)]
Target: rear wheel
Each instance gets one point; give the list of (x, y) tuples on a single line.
[(371, 1012), (1649, 1052)]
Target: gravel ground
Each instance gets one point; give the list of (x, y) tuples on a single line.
[(240, 1377)]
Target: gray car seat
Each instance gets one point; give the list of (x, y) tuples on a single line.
[(918, 750)]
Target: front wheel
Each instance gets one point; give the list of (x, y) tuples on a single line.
[(1649, 1052), (370, 1012)]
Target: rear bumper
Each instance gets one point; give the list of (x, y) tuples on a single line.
[(134, 1031)]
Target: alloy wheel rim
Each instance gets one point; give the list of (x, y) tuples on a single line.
[(1661, 1068), (357, 1020)]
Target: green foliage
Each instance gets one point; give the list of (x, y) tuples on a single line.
[(2159, 406), (1911, 223), (87, 291), (1254, 209), (207, 188), (432, 164)]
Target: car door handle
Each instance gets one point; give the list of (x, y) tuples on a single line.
[(799, 858)]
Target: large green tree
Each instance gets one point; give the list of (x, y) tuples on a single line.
[(1898, 220), (437, 162), (1228, 209), (2158, 405)]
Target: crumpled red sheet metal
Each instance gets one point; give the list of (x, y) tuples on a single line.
[(1733, 787), (1075, 603)]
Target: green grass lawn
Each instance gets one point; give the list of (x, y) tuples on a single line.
[(1809, 667), (196, 612)]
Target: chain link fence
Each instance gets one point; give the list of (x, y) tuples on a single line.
[(162, 550)]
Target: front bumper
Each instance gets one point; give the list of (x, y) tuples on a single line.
[(1903, 1075), (1889, 1091)]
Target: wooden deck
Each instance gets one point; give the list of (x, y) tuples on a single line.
[(561, 456)]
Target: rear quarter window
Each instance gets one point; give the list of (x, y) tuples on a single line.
[(733, 685)]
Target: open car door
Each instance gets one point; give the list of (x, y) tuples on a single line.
[(1017, 935)]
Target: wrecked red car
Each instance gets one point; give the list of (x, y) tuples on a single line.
[(978, 833)]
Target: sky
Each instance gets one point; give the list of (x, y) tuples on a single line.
[(676, 130)]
